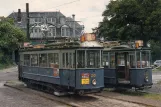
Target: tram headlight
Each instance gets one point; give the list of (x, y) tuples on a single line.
[(94, 82)]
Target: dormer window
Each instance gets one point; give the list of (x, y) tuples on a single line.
[(65, 31), (62, 20)]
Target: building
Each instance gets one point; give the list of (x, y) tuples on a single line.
[(57, 24)]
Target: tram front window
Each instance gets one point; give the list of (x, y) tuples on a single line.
[(93, 59), (81, 59), (88, 59)]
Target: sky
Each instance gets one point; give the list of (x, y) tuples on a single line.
[(89, 12)]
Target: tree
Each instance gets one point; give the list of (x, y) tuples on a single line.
[(10, 39), (132, 19)]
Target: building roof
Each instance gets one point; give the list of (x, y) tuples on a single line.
[(56, 14)]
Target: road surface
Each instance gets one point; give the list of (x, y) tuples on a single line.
[(14, 98)]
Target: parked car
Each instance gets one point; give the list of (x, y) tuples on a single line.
[(157, 63)]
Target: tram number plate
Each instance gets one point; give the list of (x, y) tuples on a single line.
[(85, 81)]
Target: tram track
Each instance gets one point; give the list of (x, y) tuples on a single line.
[(79, 101)]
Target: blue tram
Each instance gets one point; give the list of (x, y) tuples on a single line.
[(65, 66), (126, 66)]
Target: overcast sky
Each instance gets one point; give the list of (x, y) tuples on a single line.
[(87, 11)]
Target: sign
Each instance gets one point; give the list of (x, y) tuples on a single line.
[(85, 81), (85, 78), (88, 37), (138, 43)]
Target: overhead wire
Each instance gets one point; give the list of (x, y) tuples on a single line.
[(62, 5)]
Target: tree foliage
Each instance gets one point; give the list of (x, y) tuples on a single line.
[(10, 38), (131, 19)]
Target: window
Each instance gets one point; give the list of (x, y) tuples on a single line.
[(132, 60), (112, 60), (93, 59), (43, 60), (145, 59), (81, 59), (121, 59), (26, 60), (53, 20), (63, 31), (35, 30), (138, 60), (49, 19), (105, 61), (54, 31), (68, 32), (53, 59), (63, 60), (34, 60)]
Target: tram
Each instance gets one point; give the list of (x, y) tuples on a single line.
[(64, 66), (127, 66)]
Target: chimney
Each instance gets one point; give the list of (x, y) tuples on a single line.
[(73, 17), (74, 25), (19, 15)]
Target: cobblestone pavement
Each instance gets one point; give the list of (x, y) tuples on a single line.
[(13, 98), (10, 97)]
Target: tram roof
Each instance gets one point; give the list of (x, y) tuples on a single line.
[(64, 45), (125, 48)]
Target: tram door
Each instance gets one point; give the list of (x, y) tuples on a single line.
[(122, 66)]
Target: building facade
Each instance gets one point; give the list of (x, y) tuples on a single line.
[(57, 25)]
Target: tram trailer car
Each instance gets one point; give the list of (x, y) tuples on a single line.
[(65, 67), (126, 67)]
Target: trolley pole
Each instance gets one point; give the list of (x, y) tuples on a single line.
[(27, 20)]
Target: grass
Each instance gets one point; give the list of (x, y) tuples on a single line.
[(159, 82), (4, 66), (144, 95), (153, 96), (157, 69), (138, 94)]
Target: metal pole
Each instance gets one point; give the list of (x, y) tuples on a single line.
[(27, 14)]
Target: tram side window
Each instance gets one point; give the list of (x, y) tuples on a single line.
[(34, 60), (93, 59), (53, 59), (112, 60), (43, 60), (26, 59), (69, 60), (81, 59), (105, 60), (138, 60)]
